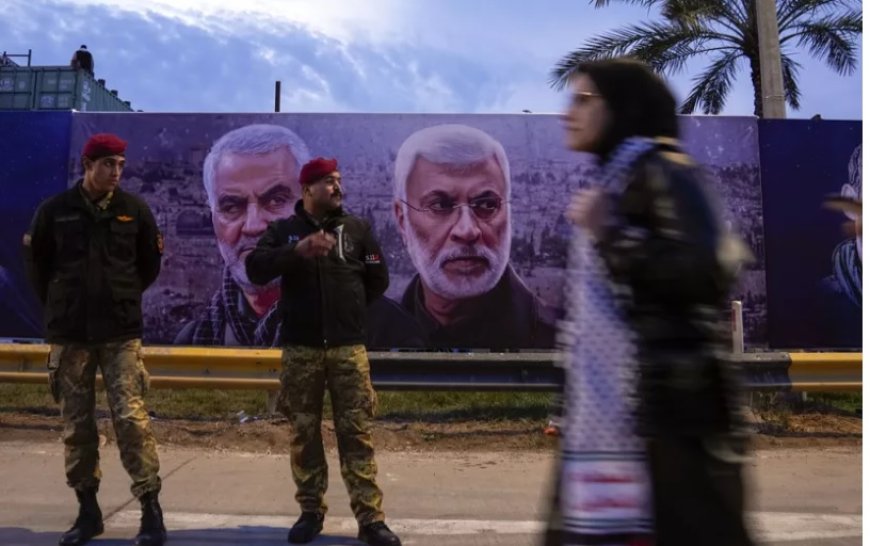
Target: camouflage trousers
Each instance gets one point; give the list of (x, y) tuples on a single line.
[(72, 379), (306, 372)]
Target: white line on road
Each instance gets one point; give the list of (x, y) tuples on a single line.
[(769, 526)]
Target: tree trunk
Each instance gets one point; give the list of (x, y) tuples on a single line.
[(755, 74), (752, 50)]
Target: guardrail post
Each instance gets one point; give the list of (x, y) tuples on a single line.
[(737, 345), (272, 403), (737, 349)]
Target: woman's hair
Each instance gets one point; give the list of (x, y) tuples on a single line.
[(639, 101)]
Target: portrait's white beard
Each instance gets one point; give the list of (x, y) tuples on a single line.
[(236, 265), (455, 287)]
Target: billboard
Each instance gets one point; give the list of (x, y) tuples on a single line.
[(814, 264), (503, 291), (34, 153)]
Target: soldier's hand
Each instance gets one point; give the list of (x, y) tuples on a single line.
[(316, 244)]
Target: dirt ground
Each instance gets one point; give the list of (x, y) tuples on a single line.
[(272, 435)]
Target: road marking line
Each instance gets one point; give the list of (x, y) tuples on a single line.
[(768, 526)]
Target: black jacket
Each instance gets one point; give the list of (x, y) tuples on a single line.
[(90, 265), (323, 300), (666, 247)]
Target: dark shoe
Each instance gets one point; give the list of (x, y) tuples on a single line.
[(378, 534), (306, 528), (152, 532), (88, 524)]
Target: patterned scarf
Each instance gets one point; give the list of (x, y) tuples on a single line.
[(847, 270), (605, 484), (224, 310)]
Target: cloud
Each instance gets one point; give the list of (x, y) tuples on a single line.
[(343, 21), (349, 56), (447, 56)]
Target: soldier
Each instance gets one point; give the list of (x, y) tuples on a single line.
[(331, 267), (91, 251)]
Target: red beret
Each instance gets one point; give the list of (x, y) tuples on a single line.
[(103, 145), (316, 169)]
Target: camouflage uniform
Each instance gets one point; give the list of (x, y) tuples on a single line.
[(98, 326), (90, 261), (306, 371), (324, 301), (72, 378)]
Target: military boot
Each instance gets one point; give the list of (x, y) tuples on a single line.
[(378, 534), (88, 524), (306, 528), (151, 531)]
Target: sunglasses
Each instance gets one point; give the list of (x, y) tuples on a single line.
[(584, 97)]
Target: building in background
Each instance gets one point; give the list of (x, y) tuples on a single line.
[(28, 87)]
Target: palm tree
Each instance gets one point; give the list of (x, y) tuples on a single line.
[(726, 33)]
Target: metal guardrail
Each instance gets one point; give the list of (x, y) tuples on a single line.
[(259, 369), (826, 371)]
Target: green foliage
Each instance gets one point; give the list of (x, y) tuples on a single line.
[(724, 33)]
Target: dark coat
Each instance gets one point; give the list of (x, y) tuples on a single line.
[(323, 300), (665, 249), (90, 265)]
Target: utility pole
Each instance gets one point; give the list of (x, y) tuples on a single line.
[(772, 89)]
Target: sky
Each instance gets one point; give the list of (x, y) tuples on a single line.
[(380, 56)]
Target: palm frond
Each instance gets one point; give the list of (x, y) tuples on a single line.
[(830, 39), (725, 30), (789, 11), (689, 12), (790, 69), (645, 3), (665, 46), (606, 46), (712, 86), (669, 53)]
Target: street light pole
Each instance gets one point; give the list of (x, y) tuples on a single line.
[(772, 90)]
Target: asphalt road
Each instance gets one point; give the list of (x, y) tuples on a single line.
[(800, 497)]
